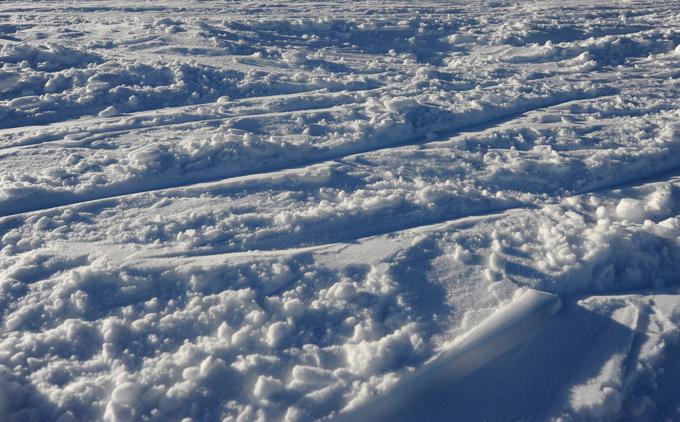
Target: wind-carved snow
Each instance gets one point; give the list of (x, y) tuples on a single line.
[(304, 211)]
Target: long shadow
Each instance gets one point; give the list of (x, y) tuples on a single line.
[(528, 383), (20, 401), (427, 299), (667, 401)]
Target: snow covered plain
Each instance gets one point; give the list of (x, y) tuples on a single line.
[(366, 211)]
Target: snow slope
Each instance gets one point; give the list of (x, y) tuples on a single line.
[(357, 210)]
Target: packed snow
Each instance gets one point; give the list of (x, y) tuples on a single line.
[(299, 211)]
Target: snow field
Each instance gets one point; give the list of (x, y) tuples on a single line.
[(288, 211)]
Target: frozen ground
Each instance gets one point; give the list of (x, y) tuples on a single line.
[(298, 211)]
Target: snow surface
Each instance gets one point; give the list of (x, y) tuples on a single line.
[(255, 211)]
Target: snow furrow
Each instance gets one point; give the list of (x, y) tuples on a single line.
[(169, 182)]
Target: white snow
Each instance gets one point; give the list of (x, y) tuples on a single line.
[(308, 210)]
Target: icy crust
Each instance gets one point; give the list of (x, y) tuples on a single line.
[(639, 365), (503, 330), (630, 339)]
